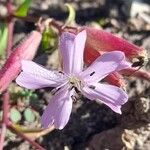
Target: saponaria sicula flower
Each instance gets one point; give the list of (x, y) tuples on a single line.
[(73, 79)]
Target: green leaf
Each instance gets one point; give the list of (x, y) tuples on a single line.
[(72, 14), (15, 115), (23, 9), (3, 37), (29, 115)]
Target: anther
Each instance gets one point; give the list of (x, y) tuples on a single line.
[(76, 89), (74, 98), (92, 73), (92, 87), (61, 72), (71, 82), (71, 88)]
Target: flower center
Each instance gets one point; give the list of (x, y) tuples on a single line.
[(75, 82)]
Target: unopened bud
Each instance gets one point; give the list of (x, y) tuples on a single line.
[(103, 41), (115, 79), (26, 49)]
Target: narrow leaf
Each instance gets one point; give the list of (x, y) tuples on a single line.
[(23, 9), (72, 14), (33, 133), (3, 37)]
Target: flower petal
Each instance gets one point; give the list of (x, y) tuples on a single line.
[(66, 49), (104, 65), (35, 76), (72, 48), (58, 110), (110, 95)]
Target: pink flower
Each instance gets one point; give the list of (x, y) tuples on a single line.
[(75, 79)]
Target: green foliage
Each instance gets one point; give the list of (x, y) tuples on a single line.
[(24, 94), (29, 115), (49, 39), (22, 10), (3, 37), (72, 14), (15, 115)]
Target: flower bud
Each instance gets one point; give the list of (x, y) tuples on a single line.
[(90, 55), (103, 41), (134, 72), (26, 49), (115, 79)]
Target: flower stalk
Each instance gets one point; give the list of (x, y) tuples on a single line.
[(10, 71)]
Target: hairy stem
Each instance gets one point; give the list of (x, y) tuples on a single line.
[(5, 120), (2, 135), (5, 107), (5, 96), (10, 25)]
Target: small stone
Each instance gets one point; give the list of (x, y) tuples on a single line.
[(138, 7), (142, 105), (3, 11)]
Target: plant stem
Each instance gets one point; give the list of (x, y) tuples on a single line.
[(10, 25), (56, 24), (2, 136), (5, 107), (5, 119)]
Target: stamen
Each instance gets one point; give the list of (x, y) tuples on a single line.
[(76, 89), (92, 87), (61, 72), (74, 98), (55, 90), (71, 88), (92, 73)]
